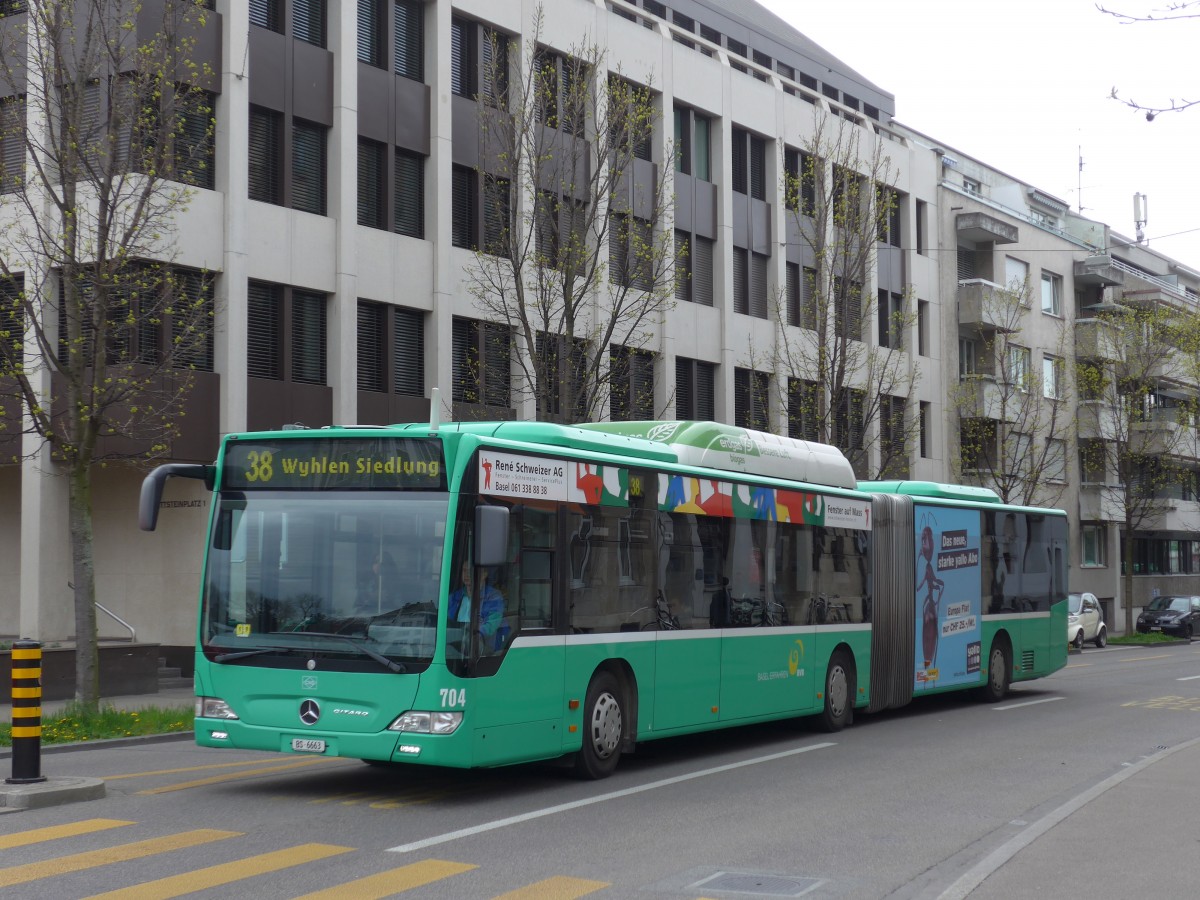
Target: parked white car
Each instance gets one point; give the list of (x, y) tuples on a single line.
[(1085, 621)]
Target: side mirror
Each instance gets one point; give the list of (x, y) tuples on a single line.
[(491, 535)]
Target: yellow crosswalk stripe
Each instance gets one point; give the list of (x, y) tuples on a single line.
[(557, 888), (233, 776), (385, 884), (54, 832), (123, 853), (215, 876)]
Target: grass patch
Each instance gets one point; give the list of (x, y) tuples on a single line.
[(74, 724), (1152, 637)]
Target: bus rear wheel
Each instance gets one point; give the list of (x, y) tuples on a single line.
[(996, 686), (603, 728), (837, 712)]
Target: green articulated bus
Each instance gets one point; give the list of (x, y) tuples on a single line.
[(478, 594)]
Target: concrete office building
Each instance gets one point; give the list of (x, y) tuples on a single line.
[(343, 208)]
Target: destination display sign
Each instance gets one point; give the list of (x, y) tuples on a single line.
[(334, 464)]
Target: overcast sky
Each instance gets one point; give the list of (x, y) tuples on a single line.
[(1024, 86)]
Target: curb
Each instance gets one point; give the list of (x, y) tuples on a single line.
[(51, 792), (109, 743)]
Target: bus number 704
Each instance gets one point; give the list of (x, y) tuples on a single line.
[(453, 697)]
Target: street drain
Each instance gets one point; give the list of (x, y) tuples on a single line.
[(774, 885)]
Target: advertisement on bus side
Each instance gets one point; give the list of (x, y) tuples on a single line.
[(948, 609)]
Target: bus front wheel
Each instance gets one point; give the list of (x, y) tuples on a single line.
[(839, 693), (603, 728)]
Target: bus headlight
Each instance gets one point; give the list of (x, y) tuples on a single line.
[(419, 722), (213, 708)]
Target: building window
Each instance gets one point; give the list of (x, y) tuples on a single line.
[(1093, 543), (410, 194), (923, 327), (463, 205), (920, 217), (266, 155), (1092, 461), (264, 352), (849, 425), (1019, 360), (372, 177), (1051, 294), (749, 154), (751, 396), (702, 270), (12, 143), (497, 197), (410, 39), (370, 32), (887, 216), (267, 14), (847, 309), (1016, 276), (408, 333), (926, 429), (972, 186), (893, 437), (891, 320), (1051, 377), (308, 21), (403, 355), (462, 58), (968, 357), (749, 283), (308, 337), (801, 302), (683, 266), (308, 167), (630, 246), (695, 389), (372, 346), (800, 189), (631, 384), (1056, 460), (481, 363), (804, 409), (692, 134)]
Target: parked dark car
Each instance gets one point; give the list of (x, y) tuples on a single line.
[(1171, 613)]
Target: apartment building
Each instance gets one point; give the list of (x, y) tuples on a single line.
[(344, 206)]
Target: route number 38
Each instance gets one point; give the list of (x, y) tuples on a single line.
[(454, 697)]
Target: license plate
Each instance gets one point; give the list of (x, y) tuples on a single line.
[(308, 745), (1156, 628)]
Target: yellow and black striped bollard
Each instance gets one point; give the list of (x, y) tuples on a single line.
[(26, 713)]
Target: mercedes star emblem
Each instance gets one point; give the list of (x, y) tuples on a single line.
[(310, 711)]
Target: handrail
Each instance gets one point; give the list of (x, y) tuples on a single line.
[(106, 610)]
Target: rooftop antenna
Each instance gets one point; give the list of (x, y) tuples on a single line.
[(1139, 216)]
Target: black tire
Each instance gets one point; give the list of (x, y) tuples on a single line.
[(1102, 637), (603, 728), (838, 711), (1187, 631), (1078, 642), (996, 686)]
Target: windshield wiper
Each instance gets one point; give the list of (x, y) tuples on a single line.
[(243, 654), (388, 664)]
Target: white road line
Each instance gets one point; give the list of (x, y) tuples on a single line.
[(1188, 678), (1027, 703), (602, 798), (975, 876)]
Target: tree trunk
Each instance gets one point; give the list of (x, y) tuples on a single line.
[(83, 572)]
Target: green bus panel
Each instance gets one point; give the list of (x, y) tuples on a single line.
[(687, 689), (767, 672)]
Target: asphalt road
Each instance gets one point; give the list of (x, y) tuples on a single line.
[(947, 798)]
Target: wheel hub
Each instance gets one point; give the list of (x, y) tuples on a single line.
[(606, 725)]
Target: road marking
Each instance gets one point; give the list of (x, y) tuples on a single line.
[(206, 768), (1027, 703), (976, 875), (53, 832), (1188, 678), (233, 776), (386, 884), (557, 888), (226, 873), (1141, 658), (602, 798), (123, 853)]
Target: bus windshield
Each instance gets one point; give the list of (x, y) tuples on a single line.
[(349, 576)]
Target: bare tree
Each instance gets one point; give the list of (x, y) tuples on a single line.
[(574, 261), (104, 124), (1015, 422), (843, 380), (1139, 415), (1171, 12)]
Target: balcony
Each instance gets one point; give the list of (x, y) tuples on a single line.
[(988, 307), (1098, 270), (1097, 339), (982, 228), (1097, 420), (985, 398), (1164, 435), (1101, 502), (1173, 514)]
